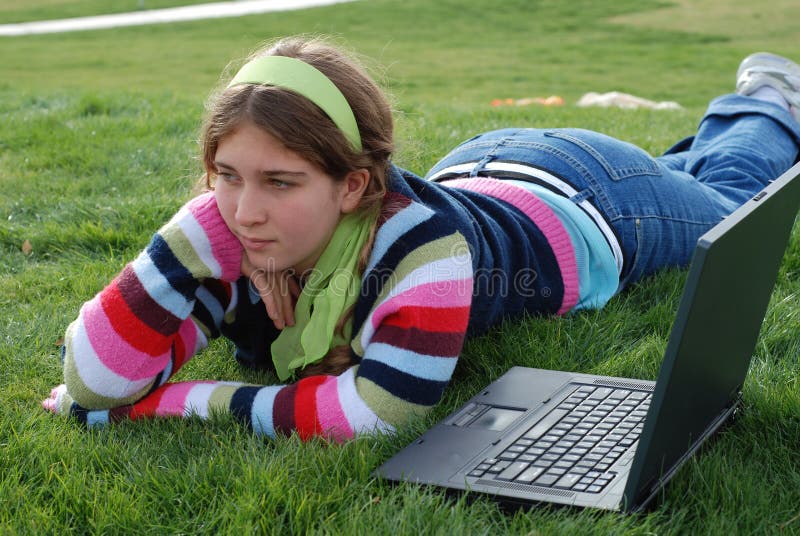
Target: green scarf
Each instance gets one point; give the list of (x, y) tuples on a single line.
[(332, 286)]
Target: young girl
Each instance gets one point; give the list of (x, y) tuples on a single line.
[(357, 280)]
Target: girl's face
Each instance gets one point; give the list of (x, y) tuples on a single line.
[(282, 208)]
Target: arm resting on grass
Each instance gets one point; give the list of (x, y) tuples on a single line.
[(139, 330), (410, 343)]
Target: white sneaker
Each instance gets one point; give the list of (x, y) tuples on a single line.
[(765, 69)]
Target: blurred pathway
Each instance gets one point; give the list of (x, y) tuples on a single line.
[(160, 16)]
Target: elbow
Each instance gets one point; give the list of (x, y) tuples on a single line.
[(95, 393)]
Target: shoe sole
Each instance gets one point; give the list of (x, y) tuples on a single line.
[(767, 59), (770, 63)]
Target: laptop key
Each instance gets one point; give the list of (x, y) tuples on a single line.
[(545, 424), (619, 394), (567, 481), (529, 475), (512, 471), (600, 393), (547, 479), (498, 466)]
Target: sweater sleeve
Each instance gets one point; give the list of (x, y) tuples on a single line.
[(409, 345), (416, 298), (137, 331), (410, 324)]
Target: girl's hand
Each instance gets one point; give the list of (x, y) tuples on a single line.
[(278, 290)]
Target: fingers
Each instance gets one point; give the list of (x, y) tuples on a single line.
[(264, 283), (287, 304), (274, 310), (56, 394), (294, 288), (290, 298), (279, 293)]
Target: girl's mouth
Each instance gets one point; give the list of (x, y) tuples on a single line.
[(255, 244)]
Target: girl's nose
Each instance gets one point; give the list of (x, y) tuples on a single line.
[(251, 209)]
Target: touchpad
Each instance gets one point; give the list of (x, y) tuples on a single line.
[(486, 417), (496, 418)]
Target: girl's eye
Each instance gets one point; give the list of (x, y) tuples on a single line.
[(277, 183), (227, 177)]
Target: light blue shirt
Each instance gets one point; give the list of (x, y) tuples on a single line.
[(598, 279)]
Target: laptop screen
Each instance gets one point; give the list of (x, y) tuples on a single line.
[(727, 291)]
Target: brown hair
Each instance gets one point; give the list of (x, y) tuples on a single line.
[(306, 130)]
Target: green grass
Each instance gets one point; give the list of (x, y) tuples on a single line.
[(98, 149), (12, 11)]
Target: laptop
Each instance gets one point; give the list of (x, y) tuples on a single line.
[(576, 439)]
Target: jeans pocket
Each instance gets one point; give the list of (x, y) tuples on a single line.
[(620, 159)]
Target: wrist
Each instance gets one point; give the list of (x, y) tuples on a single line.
[(225, 247)]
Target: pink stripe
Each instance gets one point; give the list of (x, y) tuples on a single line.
[(112, 351), (428, 295), (224, 245), (188, 334), (332, 419), (173, 399), (548, 222)]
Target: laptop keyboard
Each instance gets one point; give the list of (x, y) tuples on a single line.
[(576, 444)]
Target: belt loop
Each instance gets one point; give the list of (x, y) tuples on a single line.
[(481, 165), (488, 157)]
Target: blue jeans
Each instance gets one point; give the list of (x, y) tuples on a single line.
[(656, 207)]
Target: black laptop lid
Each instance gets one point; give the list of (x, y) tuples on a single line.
[(727, 291)]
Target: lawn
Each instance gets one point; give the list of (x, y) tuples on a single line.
[(99, 148), (35, 10)]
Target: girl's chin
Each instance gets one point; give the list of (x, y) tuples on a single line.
[(265, 262)]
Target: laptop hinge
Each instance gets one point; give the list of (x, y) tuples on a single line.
[(716, 424)]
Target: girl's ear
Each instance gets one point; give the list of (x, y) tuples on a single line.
[(353, 187)]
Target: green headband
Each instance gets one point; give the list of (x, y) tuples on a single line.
[(302, 78)]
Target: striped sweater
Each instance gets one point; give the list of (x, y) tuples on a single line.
[(447, 261)]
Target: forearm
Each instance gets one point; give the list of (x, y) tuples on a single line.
[(137, 330), (327, 406)]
